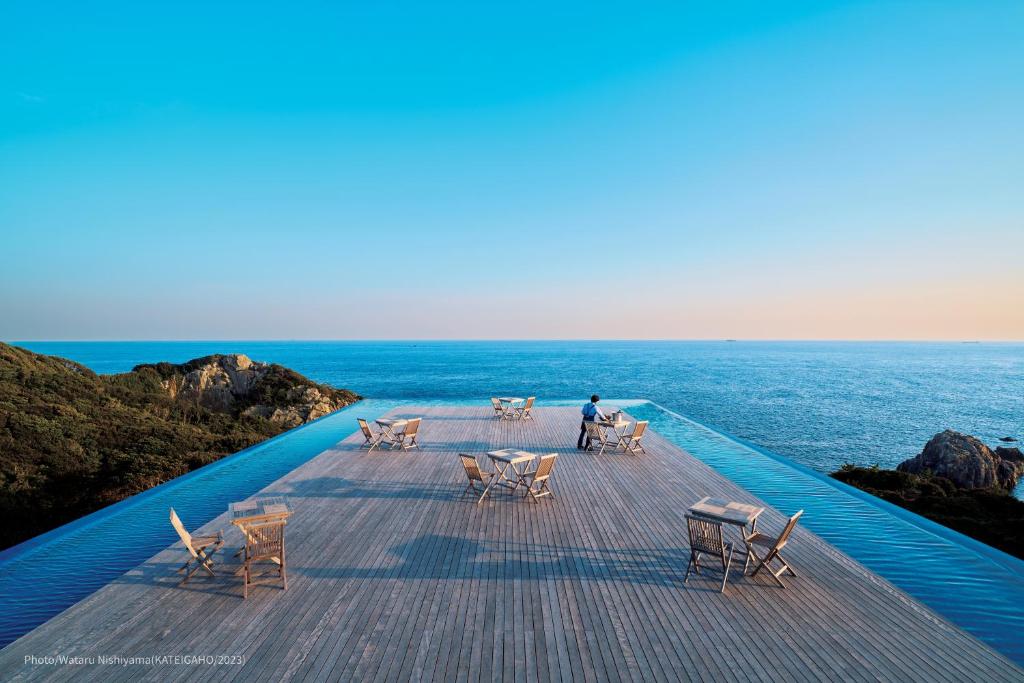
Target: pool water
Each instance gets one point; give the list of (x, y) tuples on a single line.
[(977, 587)]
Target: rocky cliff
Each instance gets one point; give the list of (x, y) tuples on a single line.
[(967, 462), (956, 481), (72, 441), (236, 385)]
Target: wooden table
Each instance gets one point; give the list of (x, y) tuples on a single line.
[(512, 402), (387, 426), (504, 460), (509, 404), (728, 512), (256, 511), (618, 428)]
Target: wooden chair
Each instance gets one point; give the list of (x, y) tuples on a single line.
[(597, 434), (474, 473), (706, 538), (631, 441), (201, 548), (371, 440), (524, 413), (499, 409), (264, 542), (540, 476), (774, 546), (405, 438)]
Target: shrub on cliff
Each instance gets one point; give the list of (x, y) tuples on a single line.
[(72, 441)]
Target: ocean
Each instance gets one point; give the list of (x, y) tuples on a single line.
[(821, 404), (818, 404)]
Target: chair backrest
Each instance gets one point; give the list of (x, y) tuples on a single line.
[(472, 467), (185, 536), (496, 404), (364, 427), (705, 535), (412, 426), (595, 431), (529, 404), (638, 429), (544, 467), (264, 540), (783, 538)]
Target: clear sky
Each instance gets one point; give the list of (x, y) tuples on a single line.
[(505, 170)]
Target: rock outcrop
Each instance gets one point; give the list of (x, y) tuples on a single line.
[(72, 441), (967, 462), (237, 385)]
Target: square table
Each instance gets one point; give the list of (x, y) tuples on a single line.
[(256, 511), (618, 428), (728, 512), (505, 460), (387, 427)]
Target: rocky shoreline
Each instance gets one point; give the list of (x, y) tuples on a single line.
[(958, 482), (72, 441)]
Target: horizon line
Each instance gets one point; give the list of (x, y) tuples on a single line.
[(514, 339)]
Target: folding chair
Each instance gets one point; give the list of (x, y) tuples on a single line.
[(201, 548), (706, 538), (406, 437), (597, 433), (523, 413), (499, 409), (371, 440), (540, 476), (773, 546), (264, 542), (631, 441), (474, 473)]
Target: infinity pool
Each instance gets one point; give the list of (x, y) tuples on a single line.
[(979, 588)]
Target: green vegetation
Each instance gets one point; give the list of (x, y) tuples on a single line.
[(72, 441), (990, 515)]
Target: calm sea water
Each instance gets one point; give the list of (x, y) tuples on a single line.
[(813, 402), (819, 403)]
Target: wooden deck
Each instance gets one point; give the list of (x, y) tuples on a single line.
[(396, 576)]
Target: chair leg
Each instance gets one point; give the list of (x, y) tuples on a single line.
[(762, 563), (695, 560), (775, 575), (688, 565), (751, 558), (728, 563), (206, 561)]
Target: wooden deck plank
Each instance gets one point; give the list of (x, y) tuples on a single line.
[(394, 575)]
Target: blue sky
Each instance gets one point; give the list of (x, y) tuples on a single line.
[(457, 170)]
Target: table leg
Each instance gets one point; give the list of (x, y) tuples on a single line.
[(621, 437), (520, 477), (495, 480)]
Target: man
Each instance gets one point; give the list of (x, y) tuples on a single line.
[(591, 413)]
